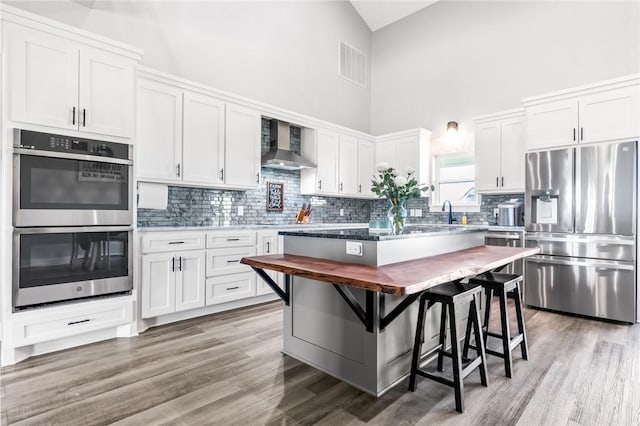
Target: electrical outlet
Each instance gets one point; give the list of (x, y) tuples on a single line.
[(341, 212), (240, 210), (354, 248)]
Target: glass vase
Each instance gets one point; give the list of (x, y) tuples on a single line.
[(397, 215)]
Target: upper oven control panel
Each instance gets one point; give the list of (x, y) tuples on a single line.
[(27, 139)]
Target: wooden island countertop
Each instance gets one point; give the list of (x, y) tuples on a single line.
[(402, 278)]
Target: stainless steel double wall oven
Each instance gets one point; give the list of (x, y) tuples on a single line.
[(72, 217), (581, 212)]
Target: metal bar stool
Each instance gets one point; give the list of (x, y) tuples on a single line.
[(504, 286), (449, 296)]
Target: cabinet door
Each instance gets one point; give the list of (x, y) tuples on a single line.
[(43, 79), (327, 170), (268, 243), (107, 88), (242, 147), (552, 125), (408, 156), (512, 160), (203, 139), (158, 284), (159, 132), (348, 165), (387, 152), (366, 167), (488, 156), (614, 114), (190, 280)]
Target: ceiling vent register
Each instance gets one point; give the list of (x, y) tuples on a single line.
[(352, 64)]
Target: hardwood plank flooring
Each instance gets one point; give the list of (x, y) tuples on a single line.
[(227, 369)]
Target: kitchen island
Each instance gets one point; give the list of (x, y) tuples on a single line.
[(349, 294)]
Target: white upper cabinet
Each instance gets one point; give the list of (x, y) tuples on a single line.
[(107, 88), (62, 83), (43, 75), (322, 148), (487, 152), (242, 149), (404, 151), (614, 114), (599, 112), (190, 138), (159, 132), (554, 124), (348, 165), (366, 167), (203, 139), (500, 152)]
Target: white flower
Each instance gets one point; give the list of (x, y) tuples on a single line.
[(381, 167), (410, 170), (400, 180)]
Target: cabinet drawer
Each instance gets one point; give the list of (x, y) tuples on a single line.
[(172, 241), (230, 287), (227, 239), (51, 327), (227, 261)]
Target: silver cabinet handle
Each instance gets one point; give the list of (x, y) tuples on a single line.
[(176, 242), (360, 188), (73, 116), (503, 181), (180, 264), (497, 180), (233, 239), (78, 322), (233, 261), (340, 186), (320, 184), (178, 169), (84, 117), (173, 264), (574, 133), (233, 288), (268, 247), (581, 133), (257, 177), (221, 174)]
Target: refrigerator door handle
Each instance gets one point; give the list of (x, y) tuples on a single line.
[(591, 263)]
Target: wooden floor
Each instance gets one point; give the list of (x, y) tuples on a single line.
[(227, 369)]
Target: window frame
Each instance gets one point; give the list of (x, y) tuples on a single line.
[(434, 201)]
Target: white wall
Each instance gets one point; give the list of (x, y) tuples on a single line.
[(281, 53), (455, 60)]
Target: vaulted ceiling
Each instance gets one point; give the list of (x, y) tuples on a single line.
[(378, 14)]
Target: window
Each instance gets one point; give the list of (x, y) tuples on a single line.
[(454, 180)]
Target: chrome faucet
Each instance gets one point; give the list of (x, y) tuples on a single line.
[(450, 214)]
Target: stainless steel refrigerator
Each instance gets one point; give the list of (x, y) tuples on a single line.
[(580, 209)]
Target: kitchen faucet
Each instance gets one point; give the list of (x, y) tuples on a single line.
[(450, 214)]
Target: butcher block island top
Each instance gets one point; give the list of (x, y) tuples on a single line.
[(401, 278)]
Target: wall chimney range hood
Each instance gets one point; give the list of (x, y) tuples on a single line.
[(280, 155)]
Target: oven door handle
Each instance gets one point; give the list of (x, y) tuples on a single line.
[(72, 229), (68, 156)]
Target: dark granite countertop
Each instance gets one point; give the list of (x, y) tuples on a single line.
[(416, 231)]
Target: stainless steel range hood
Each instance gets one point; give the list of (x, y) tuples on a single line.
[(280, 155)]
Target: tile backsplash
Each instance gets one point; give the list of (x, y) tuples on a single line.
[(214, 207)]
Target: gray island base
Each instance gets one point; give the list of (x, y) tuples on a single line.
[(321, 330)]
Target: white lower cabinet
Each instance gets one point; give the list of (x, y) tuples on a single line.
[(226, 288), (34, 327), (172, 282), (269, 242)]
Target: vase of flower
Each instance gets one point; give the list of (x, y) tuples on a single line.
[(397, 189), (397, 215)]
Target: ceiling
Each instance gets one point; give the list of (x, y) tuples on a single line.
[(380, 13)]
